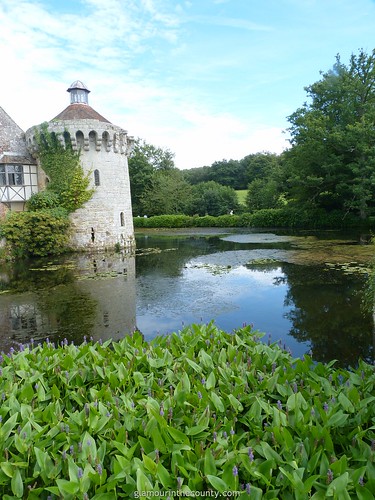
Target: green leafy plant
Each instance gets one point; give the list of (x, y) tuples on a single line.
[(190, 412), (62, 166), (44, 229), (272, 217), (35, 234), (42, 200)]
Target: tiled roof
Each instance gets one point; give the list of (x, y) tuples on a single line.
[(80, 112), (16, 159), (12, 140)]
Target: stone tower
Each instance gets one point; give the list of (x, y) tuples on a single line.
[(106, 219)]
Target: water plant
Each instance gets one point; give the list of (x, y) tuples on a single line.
[(193, 411)]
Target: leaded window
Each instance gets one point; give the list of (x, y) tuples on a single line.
[(11, 175)]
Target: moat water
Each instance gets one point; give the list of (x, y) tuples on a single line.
[(305, 290)]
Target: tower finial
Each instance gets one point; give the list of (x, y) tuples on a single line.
[(79, 93)]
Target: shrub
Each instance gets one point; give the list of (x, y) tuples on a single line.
[(195, 411), (43, 200), (35, 234), (268, 217)]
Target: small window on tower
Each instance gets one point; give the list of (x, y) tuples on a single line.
[(122, 219), (97, 177)]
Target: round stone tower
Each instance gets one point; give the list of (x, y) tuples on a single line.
[(106, 219)]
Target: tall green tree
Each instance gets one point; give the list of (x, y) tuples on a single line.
[(168, 193), (331, 163), (211, 198), (144, 161)]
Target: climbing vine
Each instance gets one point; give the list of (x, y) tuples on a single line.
[(44, 228), (62, 166)]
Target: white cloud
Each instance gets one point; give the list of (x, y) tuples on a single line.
[(170, 72)]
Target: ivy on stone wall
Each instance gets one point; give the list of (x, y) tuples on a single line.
[(44, 228), (63, 168)]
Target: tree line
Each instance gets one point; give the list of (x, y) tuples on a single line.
[(330, 163)]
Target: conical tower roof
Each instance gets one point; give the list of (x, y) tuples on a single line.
[(12, 141), (79, 108)]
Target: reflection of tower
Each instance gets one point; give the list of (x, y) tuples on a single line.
[(112, 286), (96, 297), (106, 219)]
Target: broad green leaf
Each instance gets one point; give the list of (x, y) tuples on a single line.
[(338, 419), (8, 426), (150, 465), (363, 493), (217, 483), (17, 484), (211, 381), (217, 401), (345, 403), (55, 392), (235, 403), (177, 435), (205, 359), (163, 475), (143, 483), (194, 365), (67, 487), (338, 486), (138, 378), (7, 468), (196, 429), (209, 463)]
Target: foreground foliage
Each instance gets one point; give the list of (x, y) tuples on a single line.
[(196, 411)]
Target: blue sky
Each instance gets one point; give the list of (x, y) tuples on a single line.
[(207, 79)]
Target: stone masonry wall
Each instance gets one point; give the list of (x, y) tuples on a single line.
[(106, 219)]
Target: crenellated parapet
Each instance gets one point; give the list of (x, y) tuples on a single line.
[(85, 136), (105, 221)]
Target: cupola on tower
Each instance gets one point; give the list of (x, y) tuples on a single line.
[(106, 219)]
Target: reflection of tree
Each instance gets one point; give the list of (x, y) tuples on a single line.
[(71, 311), (58, 309), (327, 313), (174, 252), (22, 276)]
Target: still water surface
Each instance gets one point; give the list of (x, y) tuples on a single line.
[(302, 289)]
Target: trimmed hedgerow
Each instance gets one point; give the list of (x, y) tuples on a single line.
[(198, 411), (272, 217)]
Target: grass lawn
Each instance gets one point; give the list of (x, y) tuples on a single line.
[(241, 195)]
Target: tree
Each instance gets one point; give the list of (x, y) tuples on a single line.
[(331, 163), (144, 161), (168, 193), (211, 198), (259, 166), (263, 193)]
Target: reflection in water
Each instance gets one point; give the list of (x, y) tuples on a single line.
[(70, 298), (327, 311), (284, 286), (290, 287)]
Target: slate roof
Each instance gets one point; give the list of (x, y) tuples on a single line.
[(78, 85), (12, 141), (79, 111)]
